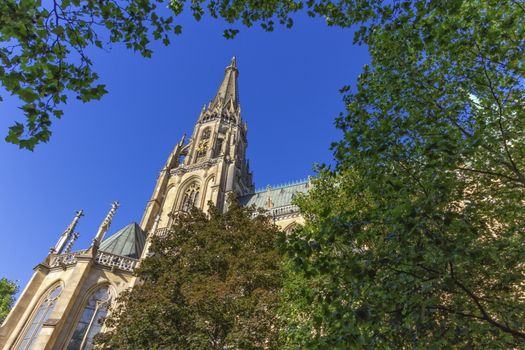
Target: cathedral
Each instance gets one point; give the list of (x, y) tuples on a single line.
[(70, 291)]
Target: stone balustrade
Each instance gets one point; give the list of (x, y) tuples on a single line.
[(280, 212), (101, 258), (116, 261), (162, 232), (65, 259), (286, 210)]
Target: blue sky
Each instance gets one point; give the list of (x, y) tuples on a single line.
[(113, 149)]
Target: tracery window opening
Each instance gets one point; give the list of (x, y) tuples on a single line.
[(206, 134), (218, 147), (90, 322), (189, 200), (209, 117), (42, 314)]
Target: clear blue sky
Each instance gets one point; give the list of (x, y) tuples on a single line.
[(113, 149)]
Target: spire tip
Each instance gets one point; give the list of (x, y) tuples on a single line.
[(233, 62)]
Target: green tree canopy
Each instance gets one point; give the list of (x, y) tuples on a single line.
[(212, 283), (416, 238), (8, 290)]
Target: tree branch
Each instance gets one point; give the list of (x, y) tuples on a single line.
[(481, 308)]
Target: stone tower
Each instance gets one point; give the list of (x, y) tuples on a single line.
[(207, 168), (71, 290)]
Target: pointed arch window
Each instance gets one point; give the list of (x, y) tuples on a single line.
[(206, 134), (191, 195), (90, 322), (46, 307)]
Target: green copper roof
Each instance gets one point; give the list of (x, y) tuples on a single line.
[(274, 197), (128, 241)]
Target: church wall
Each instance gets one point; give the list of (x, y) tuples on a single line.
[(70, 278), (15, 320), (288, 223), (98, 276)]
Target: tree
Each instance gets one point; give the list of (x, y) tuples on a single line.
[(212, 283), (8, 290), (415, 239)]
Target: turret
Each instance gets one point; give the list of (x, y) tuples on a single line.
[(67, 234), (105, 224)]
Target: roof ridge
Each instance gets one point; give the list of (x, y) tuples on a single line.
[(280, 186)]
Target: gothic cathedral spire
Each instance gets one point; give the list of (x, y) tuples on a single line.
[(211, 165), (228, 94)]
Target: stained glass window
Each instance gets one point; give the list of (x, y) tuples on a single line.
[(90, 322), (190, 197), (42, 314)]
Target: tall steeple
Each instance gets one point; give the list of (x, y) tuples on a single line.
[(214, 160), (228, 92), (105, 224)]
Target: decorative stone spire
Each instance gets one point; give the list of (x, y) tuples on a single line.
[(105, 224), (71, 242), (228, 93), (67, 234)]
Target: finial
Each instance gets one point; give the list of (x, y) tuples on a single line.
[(269, 202), (66, 235), (233, 63), (105, 224)]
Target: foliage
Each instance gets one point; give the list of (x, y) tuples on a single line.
[(43, 57), (212, 283), (8, 290), (416, 239)]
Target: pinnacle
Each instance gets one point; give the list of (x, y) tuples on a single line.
[(233, 62), (228, 90)]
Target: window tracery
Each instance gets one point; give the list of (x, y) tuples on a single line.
[(90, 322), (218, 147), (206, 134), (46, 307), (191, 195)]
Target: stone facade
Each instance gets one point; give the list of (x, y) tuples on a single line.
[(70, 291)]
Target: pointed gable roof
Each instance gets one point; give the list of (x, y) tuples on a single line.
[(128, 241)]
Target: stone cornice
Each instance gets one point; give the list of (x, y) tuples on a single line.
[(193, 167)]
